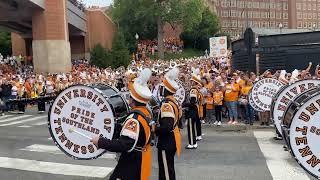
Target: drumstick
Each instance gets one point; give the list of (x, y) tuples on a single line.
[(81, 134)]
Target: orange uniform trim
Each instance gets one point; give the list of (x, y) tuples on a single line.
[(146, 163), (176, 131), (168, 85)]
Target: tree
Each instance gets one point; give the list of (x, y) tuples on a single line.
[(116, 57), (99, 56), (119, 53), (5, 43), (147, 17), (198, 37)]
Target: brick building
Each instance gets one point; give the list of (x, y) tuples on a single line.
[(236, 15)]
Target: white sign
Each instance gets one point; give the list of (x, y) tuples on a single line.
[(78, 114), (218, 46)]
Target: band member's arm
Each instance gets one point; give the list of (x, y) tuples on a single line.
[(309, 67), (128, 137)]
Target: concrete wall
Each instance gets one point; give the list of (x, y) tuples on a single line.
[(18, 45), (100, 28)]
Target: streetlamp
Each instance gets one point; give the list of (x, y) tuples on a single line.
[(137, 44), (280, 27)]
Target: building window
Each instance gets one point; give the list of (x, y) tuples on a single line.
[(285, 15), (234, 23), (299, 15), (304, 6), (249, 4), (278, 15), (233, 13), (309, 7), (279, 6), (299, 24), (272, 5), (310, 25), (305, 25), (285, 6), (285, 24), (305, 16), (272, 14), (233, 3), (250, 14), (298, 6), (262, 5), (314, 15), (309, 15)]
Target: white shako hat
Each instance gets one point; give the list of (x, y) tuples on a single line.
[(139, 90), (196, 76), (169, 80)]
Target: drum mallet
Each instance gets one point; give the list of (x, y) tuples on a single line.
[(81, 134)]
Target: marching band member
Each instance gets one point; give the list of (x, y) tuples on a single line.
[(192, 116), (133, 143), (41, 91), (169, 137), (197, 85)]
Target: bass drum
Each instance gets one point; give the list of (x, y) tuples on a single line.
[(82, 112), (301, 130), (285, 95), (116, 99)]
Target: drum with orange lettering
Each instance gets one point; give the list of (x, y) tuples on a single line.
[(80, 113), (301, 130)]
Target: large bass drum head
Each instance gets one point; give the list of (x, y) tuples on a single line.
[(77, 114), (291, 110), (285, 96), (304, 136), (263, 92)]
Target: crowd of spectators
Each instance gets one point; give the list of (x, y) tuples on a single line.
[(225, 90)]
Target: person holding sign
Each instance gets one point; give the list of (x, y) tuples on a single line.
[(133, 143)]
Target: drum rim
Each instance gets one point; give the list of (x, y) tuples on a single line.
[(289, 143), (292, 100), (54, 139), (254, 107)]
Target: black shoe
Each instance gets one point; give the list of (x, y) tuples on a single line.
[(262, 124), (251, 124), (278, 138)]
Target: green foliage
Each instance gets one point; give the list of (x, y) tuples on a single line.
[(198, 37), (99, 56), (5, 43), (141, 16), (119, 53), (118, 56)]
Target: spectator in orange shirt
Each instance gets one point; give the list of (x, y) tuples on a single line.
[(217, 100), (231, 97), (209, 107)]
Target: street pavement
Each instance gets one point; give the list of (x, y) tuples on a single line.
[(28, 153)]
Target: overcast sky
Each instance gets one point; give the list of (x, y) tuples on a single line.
[(98, 2)]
